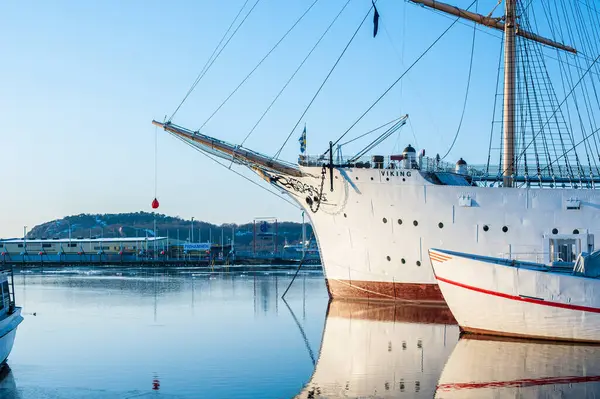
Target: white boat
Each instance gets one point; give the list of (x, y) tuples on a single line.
[(521, 299), (10, 315), (374, 349), (375, 218), (511, 368)]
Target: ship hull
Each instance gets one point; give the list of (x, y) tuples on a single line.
[(384, 290), (375, 227), (488, 296)]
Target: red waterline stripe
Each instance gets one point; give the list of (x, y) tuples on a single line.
[(522, 299), (527, 382)]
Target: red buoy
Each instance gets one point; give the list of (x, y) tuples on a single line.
[(155, 204), (40, 253)]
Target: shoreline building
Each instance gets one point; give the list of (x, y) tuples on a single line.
[(82, 249)]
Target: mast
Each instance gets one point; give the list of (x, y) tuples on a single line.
[(510, 51), (511, 31)]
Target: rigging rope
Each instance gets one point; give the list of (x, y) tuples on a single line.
[(576, 145), (294, 74), (557, 109), (211, 60), (487, 170), (380, 139), (324, 81), (462, 115), (236, 172), (298, 269), (400, 78), (304, 337), (372, 130), (560, 105), (259, 64), (155, 160)]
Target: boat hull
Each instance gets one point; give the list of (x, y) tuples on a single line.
[(384, 290), (375, 227), (8, 331), (491, 297)]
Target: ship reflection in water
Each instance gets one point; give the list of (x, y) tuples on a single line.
[(378, 350), (487, 367), (8, 388), (382, 350), (139, 333)]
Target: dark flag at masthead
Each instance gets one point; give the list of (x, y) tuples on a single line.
[(375, 20)]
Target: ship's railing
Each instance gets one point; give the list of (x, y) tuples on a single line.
[(536, 257), (422, 163), (545, 175), (548, 259)]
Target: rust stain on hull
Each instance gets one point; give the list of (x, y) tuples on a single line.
[(372, 290)]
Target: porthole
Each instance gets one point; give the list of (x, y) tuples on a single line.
[(441, 225), (345, 215), (403, 179), (403, 261), (399, 221), (555, 231), (388, 258), (371, 178), (486, 227), (336, 177), (316, 199), (356, 177), (309, 200), (384, 220), (505, 229), (387, 179), (418, 263), (415, 223), (576, 231)]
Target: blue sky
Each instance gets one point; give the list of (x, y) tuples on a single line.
[(80, 83)]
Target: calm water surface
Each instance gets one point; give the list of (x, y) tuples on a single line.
[(137, 333)]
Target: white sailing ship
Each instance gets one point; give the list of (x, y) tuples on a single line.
[(374, 219), (373, 349)]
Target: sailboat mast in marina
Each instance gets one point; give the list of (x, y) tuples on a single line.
[(374, 218)]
